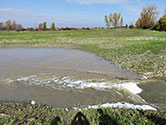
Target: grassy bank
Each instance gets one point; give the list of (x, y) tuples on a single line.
[(21, 113), (143, 51)]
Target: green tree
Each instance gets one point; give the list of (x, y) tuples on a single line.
[(40, 26), (126, 26), (148, 17), (8, 24), (1, 25), (131, 26), (107, 22), (114, 19), (139, 23), (52, 26), (44, 26), (14, 25), (161, 24)]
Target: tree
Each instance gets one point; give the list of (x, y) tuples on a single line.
[(19, 27), (126, 26), (44, 26), (131, 26), (1, 25), (114, 19), (52, 26), (138, 24), (161, 24), (14, 25), (40, 26), (8, 24), (107, 22), (148, 17), (121, 22)]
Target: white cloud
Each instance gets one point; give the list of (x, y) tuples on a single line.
[(131, 8), (125, 4), (99, 1), (31, 19)]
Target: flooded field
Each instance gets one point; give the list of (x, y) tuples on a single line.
[(154, 92), (61, 62), (71, 78)]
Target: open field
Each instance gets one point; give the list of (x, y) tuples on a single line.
[(143, 51)]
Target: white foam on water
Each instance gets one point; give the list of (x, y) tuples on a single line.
[(120, 105), (23, 79), (66, 82), (130, 86), (144, 77)]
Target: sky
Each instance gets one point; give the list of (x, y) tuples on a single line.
[(73, 13)]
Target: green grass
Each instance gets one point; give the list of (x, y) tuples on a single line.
[(146, 55), (23, 113)]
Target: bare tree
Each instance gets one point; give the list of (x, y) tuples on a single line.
[(8, 24), (107, 22), (121, 22), (148, 17), (114, 19)]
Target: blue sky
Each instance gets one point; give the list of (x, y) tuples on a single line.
[(72, 13)]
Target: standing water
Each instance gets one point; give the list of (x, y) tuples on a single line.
[(69, 78)]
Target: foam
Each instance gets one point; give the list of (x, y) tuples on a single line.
[(120, 105), (66, 82), (130, 86)]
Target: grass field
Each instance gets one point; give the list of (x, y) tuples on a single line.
[(143, 51)]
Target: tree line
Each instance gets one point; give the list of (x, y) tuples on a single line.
[(11, 25), (43, 26), (147, 20)]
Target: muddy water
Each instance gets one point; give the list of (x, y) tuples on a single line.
[(155, 93), (62, 62), (62, 99), (66, 78)]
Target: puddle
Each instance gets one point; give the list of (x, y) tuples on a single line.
[(70, 78), (66, 92), (61, 62), (155, 93)]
